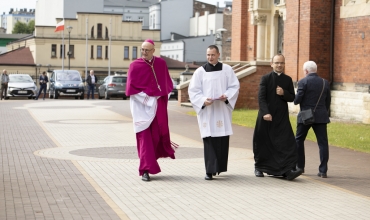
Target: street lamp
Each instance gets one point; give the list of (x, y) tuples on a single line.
[(38, 67), (69, 28)]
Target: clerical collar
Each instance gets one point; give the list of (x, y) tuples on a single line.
[(149, 60), (278, 73), (209, 67)]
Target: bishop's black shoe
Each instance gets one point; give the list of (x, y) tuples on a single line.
[(208, 176), (258, 173), (291, 175), (145, 177)]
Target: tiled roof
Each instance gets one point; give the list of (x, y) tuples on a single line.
[(21, 56), (175, 64)]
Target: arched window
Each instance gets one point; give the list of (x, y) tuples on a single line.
[(100, 31), (92, 32), (106, 33)]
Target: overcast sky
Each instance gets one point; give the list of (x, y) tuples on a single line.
[(5, 5)]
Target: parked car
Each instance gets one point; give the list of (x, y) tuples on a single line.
[(113, 86), (21, 85), (66, 83), (174, 93)]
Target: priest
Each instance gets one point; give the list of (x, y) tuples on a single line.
[(274, 144), (213, 92), (148, 85)]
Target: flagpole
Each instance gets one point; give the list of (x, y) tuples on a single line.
[(63, 50), (110, 37), (87, 24)]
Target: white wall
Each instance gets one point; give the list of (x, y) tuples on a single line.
[(173, 50), (205, 24), (154, 17), (48, 10), (175, 17)]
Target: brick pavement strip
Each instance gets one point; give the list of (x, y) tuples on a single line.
[(43, 178)]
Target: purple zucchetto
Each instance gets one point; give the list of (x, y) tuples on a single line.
[(149, 41)]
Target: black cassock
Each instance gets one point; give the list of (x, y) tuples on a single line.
[(216, 153), (274, 145)]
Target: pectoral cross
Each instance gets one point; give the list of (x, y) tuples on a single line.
[(155, 76)]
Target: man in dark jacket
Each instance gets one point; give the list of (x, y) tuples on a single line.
[(274, 146), (91, 82), (43, 82), (308, 96)]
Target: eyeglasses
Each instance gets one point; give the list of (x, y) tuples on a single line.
[(277, 63), (145, 50)]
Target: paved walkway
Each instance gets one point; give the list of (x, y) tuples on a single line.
[(76, 159)]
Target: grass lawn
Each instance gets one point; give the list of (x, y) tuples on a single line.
[(355, 136)]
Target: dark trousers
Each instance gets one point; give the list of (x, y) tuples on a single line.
[(42, 88), (216, 153), (90, 89), (4, 89), (322, 140)]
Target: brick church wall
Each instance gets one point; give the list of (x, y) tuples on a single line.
[(352, 53), (248, 94)]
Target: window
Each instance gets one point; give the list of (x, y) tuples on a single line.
[(71, 51), (92, 52), (100, 34), (134, 53), (99, 52), (92, 32), (106, 52), (106, 33), (62, 51), (53, 50), (126, 53), (141, 19)]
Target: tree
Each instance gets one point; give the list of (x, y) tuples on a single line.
[(23, 28), (31, 26)]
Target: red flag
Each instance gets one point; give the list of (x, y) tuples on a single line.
[(60, 26)]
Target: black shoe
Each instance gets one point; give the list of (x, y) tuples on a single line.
[(322, 175), (291, 175), (208, 176), (145, 176), (258, 173)]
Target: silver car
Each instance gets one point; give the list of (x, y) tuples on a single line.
[(113, 86), (21, 85)]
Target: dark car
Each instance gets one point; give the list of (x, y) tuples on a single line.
[(66, 83), (113, 86), (174, 92)]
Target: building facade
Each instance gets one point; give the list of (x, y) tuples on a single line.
[(111, 44), (331, 33), (8, 21)]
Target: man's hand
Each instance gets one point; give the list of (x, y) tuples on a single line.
[(279, 90), (267, 117), (208, 102), (223, 98)]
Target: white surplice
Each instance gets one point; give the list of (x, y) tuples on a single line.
[(143, 110), (214, 120)]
